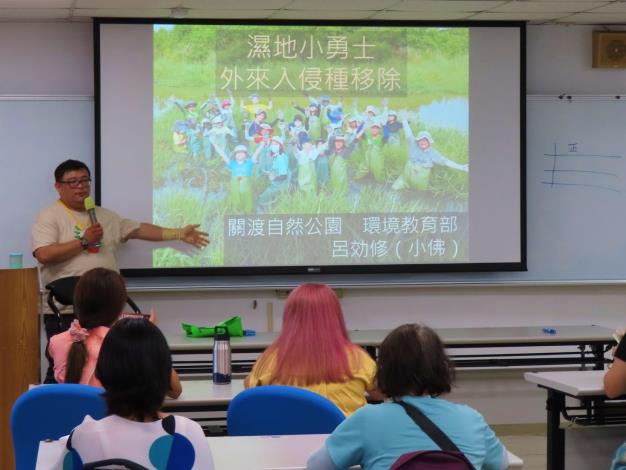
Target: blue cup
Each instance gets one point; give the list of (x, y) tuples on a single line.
[(15, 260)]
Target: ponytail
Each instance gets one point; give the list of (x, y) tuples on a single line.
[(76, 360), (77, 356)]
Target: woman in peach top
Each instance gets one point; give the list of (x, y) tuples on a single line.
[(99, 297)]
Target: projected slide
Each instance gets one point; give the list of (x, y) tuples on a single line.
[(312, 146)]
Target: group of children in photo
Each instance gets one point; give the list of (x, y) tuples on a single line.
[(309, 152), (129, 357)]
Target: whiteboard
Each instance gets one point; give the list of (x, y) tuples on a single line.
[(576, 187), (576, 190), (36, 134)]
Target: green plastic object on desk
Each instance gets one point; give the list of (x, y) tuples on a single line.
[(234, 326)]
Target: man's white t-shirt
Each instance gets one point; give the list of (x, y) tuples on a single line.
[(59, 224)]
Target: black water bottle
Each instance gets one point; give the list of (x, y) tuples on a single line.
[(221, 356)]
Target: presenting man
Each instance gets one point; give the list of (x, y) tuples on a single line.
[(66, 243)]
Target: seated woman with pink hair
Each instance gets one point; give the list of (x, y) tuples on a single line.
[(313, 351)]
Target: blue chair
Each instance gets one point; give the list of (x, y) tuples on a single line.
[(279, 409), (50, 412)]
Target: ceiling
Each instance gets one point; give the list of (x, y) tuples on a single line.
[(596, 12)]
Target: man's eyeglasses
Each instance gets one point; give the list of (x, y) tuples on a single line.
[(76, 183)]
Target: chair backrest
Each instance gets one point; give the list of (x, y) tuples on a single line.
[(432, 460), (50, 412), (62, 290), (280, 409)]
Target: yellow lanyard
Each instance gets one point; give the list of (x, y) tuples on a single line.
[(78, 222)]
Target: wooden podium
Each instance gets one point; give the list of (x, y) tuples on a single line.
[(19, 347)]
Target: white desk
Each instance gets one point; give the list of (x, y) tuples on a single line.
[(578, 344), (264, 452), (208, 401), (585, 386), (244, 453), (229, 453), (276, 452), (205, 393), (575, 383)]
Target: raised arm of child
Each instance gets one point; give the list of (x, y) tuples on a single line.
[(457, 166), (255, 155), (221, 153)]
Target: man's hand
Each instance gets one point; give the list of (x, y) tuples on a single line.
[(93, 234), (195, 237)]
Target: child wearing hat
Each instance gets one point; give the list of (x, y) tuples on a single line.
[(374, 160), (226, 110), (313, 123), (278, 174), (210, 108), (422, 157), (189, 109), (255, 126), (264, 135), (338, 153), (324, 107), (194, 144), (179, 137), (370, 115), (306, 154), (391, 129), (240, 166), (295, 129), (220, 135), (255, 106)]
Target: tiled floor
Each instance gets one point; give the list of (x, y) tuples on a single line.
[(527, 442)]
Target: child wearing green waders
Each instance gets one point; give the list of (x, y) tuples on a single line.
[(220, 135), (240, 166), (179, 137), (422, 157), (189, 109), (391, 129), (306, 156), (339, 153), (374, 160), (278, 174), (313, 123), (194, 143)]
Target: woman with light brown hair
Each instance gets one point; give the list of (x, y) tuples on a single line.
[(412, 368)]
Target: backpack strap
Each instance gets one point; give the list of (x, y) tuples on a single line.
[(429, 428)]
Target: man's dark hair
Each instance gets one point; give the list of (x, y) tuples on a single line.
[(69, 165), (412, 361), (134, 367), (99, 296)]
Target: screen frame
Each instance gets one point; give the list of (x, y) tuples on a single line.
[(312, 270)]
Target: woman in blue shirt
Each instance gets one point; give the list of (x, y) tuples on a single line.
[(413, 367)]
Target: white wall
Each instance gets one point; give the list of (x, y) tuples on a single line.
[(46, 58), (559, 61), (57, 59)]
